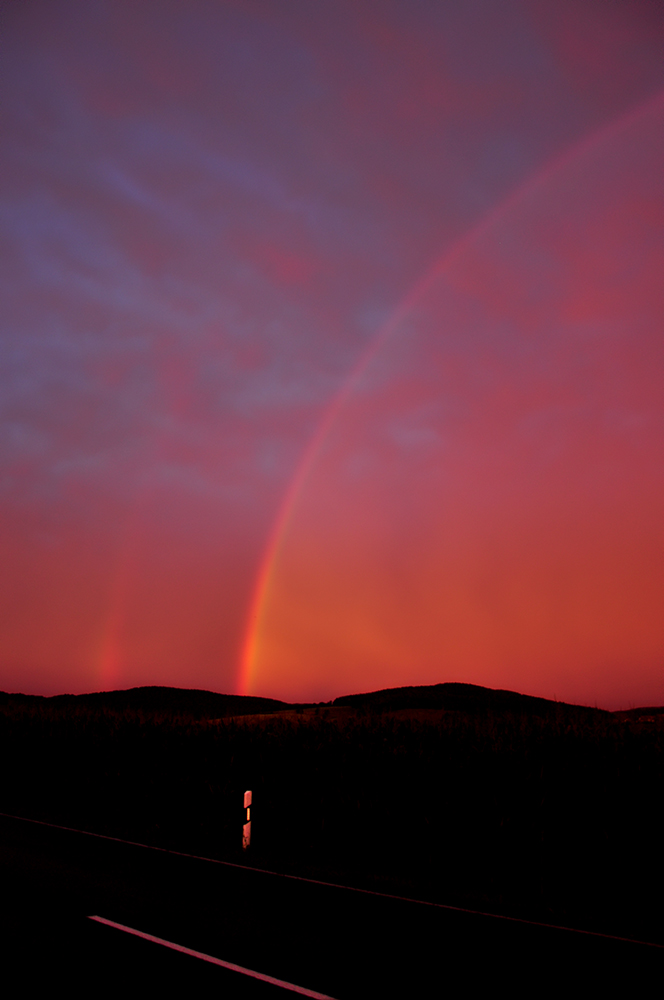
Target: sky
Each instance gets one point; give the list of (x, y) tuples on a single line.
[(331, 346)]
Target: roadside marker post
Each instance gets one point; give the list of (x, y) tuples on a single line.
[(246, 829)]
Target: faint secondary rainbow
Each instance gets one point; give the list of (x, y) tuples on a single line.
[(266, 573), (110, 662), (110, 659)]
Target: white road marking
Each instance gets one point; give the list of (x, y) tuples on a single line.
[(214, 961)]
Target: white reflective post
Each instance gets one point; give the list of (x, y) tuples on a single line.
[(246, 829)]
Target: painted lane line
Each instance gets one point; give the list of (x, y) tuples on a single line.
[(214, 961), (337, 885)]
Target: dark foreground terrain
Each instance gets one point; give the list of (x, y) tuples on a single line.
[(481, 799), (337, 942)]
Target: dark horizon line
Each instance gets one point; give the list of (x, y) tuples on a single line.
[(338, 702)]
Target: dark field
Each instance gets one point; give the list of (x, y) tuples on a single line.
[(476, 798)]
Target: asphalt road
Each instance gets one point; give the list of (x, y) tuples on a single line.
[(335, 941)]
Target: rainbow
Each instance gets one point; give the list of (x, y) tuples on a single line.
[(267, 570)]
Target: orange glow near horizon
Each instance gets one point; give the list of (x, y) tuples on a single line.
[(485, 504)]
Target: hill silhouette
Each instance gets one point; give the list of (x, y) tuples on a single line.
[(469, 698), (188, 704), (194, 704)]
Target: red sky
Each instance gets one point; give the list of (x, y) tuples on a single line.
[(216, 216)]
